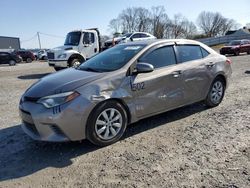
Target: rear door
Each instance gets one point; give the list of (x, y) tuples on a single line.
[(197, 68), (161, 89)]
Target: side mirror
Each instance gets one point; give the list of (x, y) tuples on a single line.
[(131, 38), (143, 68)]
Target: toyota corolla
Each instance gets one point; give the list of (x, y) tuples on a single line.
[(120, 86)]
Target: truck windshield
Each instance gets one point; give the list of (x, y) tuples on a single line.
[(111, 59), (73, 38)]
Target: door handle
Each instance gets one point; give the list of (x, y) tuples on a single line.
[(176, 74), (210, 64)]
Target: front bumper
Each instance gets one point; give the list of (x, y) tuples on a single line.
[(59, 124), (58, 63), (227, 51)]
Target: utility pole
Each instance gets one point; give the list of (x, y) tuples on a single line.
[(38, 36)]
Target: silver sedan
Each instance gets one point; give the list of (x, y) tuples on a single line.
[(122, 85)]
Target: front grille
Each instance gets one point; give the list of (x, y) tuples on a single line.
[(31, 128), (50, 55)]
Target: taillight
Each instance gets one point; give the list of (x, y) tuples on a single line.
[(228, 61)]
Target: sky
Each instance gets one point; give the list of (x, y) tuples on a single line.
[(24, 18)]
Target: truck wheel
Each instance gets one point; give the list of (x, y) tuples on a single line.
[(58, 68), (75, 63), (107, 123)]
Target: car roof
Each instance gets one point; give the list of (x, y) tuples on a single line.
[(153, 42), (159, 41)]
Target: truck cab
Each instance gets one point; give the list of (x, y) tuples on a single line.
[(79, 46)]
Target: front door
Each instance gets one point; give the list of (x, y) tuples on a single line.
[(89, 45), (161, 89)]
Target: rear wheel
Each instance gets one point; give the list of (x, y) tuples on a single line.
[(216, 93), (106, 124), (248, 52)]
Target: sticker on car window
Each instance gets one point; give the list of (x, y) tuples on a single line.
[(132, 48)]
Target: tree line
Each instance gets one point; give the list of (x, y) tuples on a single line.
[(157, 22)]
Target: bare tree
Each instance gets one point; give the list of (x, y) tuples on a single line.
[(214, 24), (128, 19), (159, 21), (115, 25), (143, 19)]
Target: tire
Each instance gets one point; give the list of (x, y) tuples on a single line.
[(28, 60), (58, 68), (75, 63), (236, 53), (104, 130), (12, 62), (216, 93), (248, 52)]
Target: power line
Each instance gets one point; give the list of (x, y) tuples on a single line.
[(29, 39), (50, 35)]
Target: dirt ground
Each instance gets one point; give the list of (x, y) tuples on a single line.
[(189, 147)]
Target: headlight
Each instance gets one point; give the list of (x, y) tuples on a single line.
[(58, 99), (61, 56)]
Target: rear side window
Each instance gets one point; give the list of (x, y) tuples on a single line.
[(160, 57), (188, 53), (204, 52)]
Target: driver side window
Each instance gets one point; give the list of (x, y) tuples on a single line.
[(160, 57)]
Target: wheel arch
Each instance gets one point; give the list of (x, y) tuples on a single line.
[(75, 56), (222, 77), (120, 101)]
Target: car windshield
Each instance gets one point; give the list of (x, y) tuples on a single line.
[(111, 59), (73, 38), (234, 43)]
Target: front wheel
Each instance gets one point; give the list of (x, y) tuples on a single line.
[(75, 63), (12, 63), (106, 124), (58, 68), (216, 93), (28, 60)]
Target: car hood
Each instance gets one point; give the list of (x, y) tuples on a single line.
[(62, 81), (64, 48), (236, 46)]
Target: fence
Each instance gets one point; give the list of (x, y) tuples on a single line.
[(223, 40)]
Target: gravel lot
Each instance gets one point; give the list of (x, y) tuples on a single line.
[(189, 147)]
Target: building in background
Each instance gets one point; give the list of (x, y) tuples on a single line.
[(9, 43)]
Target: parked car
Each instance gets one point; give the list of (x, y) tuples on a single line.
[(236, 47), (135, 36), (9, 58), (26, 55), (120, 86), (42, 55)]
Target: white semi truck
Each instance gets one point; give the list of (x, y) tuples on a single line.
[(79, 46)]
